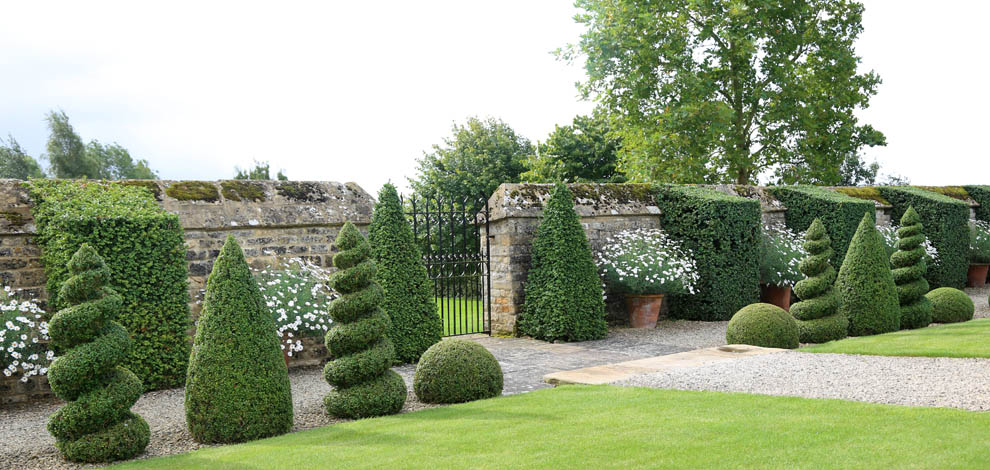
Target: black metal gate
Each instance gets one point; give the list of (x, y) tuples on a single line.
[(458, 259)]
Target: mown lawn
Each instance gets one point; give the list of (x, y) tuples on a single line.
[(967, 339), (605, 427), (461, 315)]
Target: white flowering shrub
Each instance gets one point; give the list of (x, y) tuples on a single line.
[(647, 261), (23, 337), (298, 296), (979, 242), (781, 252), (889, 235)]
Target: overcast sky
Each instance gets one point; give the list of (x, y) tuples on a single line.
[(356, 91)]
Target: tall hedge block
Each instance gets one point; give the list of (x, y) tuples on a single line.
[(839, 213), (237, 388), (96, 424), (723, 232), (909, 270), (563, 290), (946, 222), (865, 285), (361, 354), (144, 249), (980, 194), (408, 290)]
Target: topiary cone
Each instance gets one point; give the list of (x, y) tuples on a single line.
[(817, 314), (96, 425), (866, 289), (361, 353), (909, 272), (408, 299), (237, 387)]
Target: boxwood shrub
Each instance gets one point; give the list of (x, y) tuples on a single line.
[(865, 284), (723, 231), (980, 194), (145, 252), (763, 325), (950, 305), (839, 213), (457, 371), (946, 222)]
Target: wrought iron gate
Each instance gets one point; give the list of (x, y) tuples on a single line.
[(458, 258)]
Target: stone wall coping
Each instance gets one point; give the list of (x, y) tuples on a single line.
[(525, 200)]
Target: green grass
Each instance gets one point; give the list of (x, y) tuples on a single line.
[(604, 427), (461, 316), (967, 339)]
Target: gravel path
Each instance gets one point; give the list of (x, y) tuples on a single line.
[(917, 381), (979, 297)]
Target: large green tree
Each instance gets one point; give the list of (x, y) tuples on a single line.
[(584, 152), (15, 163), (478, 157), (70, 158), (261, 171), (726, 90)]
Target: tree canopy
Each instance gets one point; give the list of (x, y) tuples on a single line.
[(69, 158), (584, 152), (261, 171), (15, 163), (726, 90)]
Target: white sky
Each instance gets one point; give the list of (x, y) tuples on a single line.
[(356, 91)]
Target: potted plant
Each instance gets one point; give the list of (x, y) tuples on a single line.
[(979, 253), (781, 253), (644, 265)]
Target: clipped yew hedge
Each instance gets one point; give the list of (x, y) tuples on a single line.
[(839, 213), (723, 232), (946, 225), (144, 249)]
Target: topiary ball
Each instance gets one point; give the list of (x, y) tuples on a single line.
[(950, 305), (764, 325), (456, 371)]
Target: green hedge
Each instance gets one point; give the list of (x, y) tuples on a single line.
[(144, 249), (838, 212), (723, 231), (946, 222), (980, 194)]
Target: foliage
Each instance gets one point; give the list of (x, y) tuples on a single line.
[(584, 152), (457, 371), (361, 353), (909, 267), (563, 298), (967, 339), (646, 261), (96, 424), (408, 300), (69, 158), (780, 255), (144, 248), (955, 192), (193, 191), (261, 171), (817, 316), (722, 91), (238, 190), (297, 294), (115, 162), (888, 234), (723, 233), (979, 242), (865, 285), (946, 226), (23, 337), (764, 325), (950, 305), (980, 194), (237, 388), (840, 214), (473, 162), (14, 163)]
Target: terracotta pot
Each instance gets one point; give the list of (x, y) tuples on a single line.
[(776, 295), (978, 275), (643, 310)]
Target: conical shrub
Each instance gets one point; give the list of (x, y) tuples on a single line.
[(361, 354), (563, 289), (909, 270), (408, 299), (237, 387), (96, 425), (817, 314), (867, 294)]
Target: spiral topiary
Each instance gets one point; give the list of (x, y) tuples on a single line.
[(909, 272), (950, 305), (763, 325), (457, 371), (865, 285), (96, 425), (817, 314), (361, 353)]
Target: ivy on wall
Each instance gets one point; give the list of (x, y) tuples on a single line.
[(839, 213)]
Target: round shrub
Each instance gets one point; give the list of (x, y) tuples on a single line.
[(764, 325), (237, 388), (456, 371), (950, 305)]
